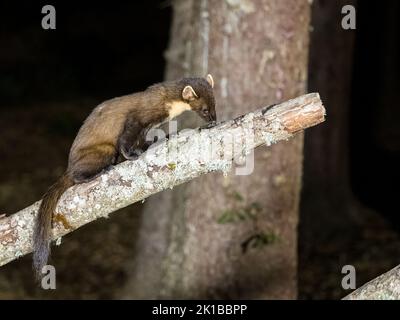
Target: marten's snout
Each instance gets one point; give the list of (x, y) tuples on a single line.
[(208, 115), (213, 116)]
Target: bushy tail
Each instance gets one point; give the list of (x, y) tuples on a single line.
[(42, 230)]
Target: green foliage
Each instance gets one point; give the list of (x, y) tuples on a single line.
[(241, 214), (259, 240), (237, 196)]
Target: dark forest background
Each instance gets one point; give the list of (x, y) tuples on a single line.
[(50, 80)]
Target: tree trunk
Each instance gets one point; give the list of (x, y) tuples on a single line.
[(232, 236), (326, 168)]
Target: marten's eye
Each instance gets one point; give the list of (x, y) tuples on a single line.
[(205, 111)]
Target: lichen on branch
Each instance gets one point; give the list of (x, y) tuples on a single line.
[(168, 163)]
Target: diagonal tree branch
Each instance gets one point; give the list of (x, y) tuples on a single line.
[(169, 163), (384, 287)]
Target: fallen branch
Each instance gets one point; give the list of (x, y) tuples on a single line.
[(384, 287), (169, 163)]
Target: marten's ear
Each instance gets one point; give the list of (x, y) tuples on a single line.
[(210, 80), (188, 93)]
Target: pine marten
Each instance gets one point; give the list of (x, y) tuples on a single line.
[(117, 129)]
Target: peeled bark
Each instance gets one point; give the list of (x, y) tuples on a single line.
[(256, 51)]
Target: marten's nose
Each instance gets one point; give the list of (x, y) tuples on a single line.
[(213, 117)]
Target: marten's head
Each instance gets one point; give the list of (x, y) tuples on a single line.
[(198, 93)]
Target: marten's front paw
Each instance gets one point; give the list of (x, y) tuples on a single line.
[(131, 153)]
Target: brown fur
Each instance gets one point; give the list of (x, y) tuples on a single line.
[(115, 127), (42, 231)]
